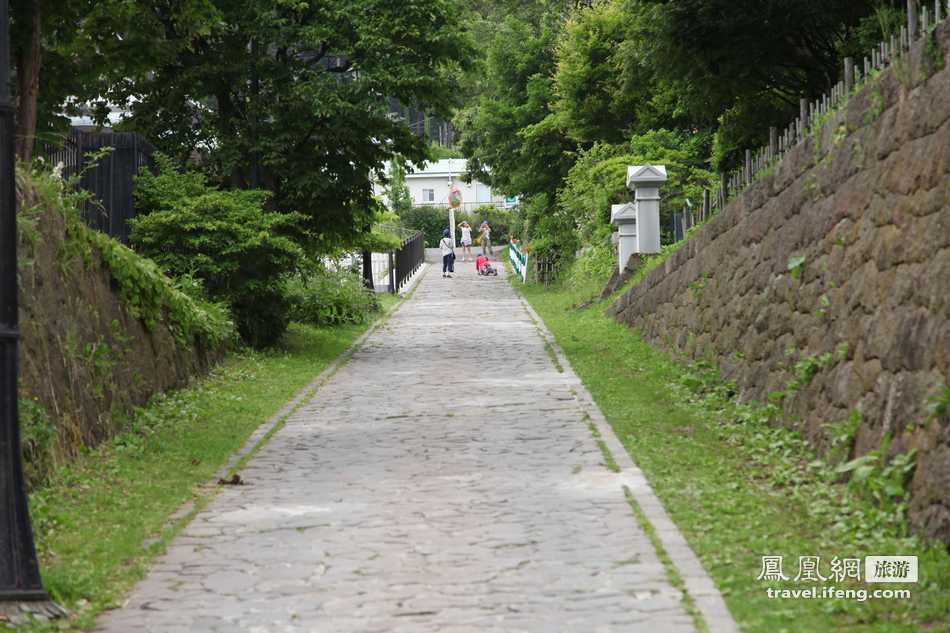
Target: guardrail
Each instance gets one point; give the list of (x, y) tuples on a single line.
[(519, 261)]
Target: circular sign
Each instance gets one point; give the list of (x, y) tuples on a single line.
[(455, 198)]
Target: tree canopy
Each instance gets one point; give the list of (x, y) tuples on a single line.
[(286, 95), (566, 94)]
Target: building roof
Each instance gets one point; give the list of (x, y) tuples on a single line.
[(440, 168)]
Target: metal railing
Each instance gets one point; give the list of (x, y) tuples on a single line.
[(406, 261), (111, 182)]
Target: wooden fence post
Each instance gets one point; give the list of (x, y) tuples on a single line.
[(803, 116), (912, 21), (848, 75)]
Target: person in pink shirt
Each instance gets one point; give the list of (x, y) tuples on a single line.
[(483, 267)]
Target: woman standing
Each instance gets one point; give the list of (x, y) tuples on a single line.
[(466, 240), (485, 230), (448, 254)]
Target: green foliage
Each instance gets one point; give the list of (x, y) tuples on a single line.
[(596, 95), (328, 298), (882, 481), (806, 368), (498, 218), (512, 140), (940, 405), (37, 439), (397, 192), (438, 152), (299, 104), (735, 481), (842, 434), (728, 76), (146, 292), (430, 220), (796, 265), (241, 253), (150, 296), (598, 180), (549, 234), (592, 268)]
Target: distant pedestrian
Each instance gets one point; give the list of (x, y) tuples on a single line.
[(485, 230), (448, 253), (466, 229)]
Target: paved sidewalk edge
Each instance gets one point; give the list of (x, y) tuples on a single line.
[(699, 585)]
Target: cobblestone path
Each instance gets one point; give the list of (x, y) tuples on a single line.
[(444, 479)]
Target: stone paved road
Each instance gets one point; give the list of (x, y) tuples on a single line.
[(418, 492)]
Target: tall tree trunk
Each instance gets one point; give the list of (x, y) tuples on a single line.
[(226, 115), (28, 62)]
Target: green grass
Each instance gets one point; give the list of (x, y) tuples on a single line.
[(736, 486), (103, 517)]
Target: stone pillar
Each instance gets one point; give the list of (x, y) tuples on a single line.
[(645, 181), (625, 217)]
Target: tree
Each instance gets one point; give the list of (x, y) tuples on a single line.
[(748, 61), (397, 192), (70, 53), (595, 94), (293, 97), (286, 95), (509, 133)]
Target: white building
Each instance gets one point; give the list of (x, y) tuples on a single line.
[(431, 184)]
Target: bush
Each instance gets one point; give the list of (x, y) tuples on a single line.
[(331, 298), (598, 180), (430, 220), (501, 221), (143, 287), (240, 252)]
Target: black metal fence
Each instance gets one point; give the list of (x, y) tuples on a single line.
[(407, 260), (110, 182)]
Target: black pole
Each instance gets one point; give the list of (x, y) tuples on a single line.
[(368, 270), (19, 570)]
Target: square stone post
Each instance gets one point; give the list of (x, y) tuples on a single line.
[(625, 217), (645, 181)]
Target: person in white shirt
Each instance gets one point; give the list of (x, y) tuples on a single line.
[(448, 254), (466, 241)]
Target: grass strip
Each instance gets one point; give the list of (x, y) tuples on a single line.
[(738, 487), (103, 517), (671, 572)]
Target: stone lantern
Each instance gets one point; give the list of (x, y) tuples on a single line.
[(625, 217), (645, 181), (639, 222)]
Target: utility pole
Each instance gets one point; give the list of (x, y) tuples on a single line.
[(21, 589)]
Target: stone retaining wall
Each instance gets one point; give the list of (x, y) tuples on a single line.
[(864, 206), (85, 360)]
